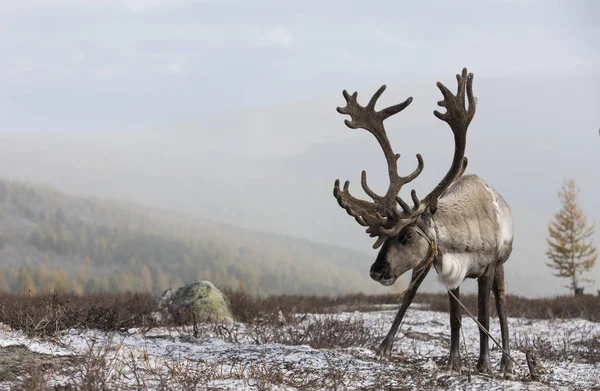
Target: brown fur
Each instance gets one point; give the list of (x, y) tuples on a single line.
[(473, 228), (464, 220)]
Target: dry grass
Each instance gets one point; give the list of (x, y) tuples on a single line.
[(247, 308), (49, 313), (559, 307), (94, 371), (331, 331), (276, 319), (579, 345)]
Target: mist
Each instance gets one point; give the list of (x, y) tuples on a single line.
[(259, 145)]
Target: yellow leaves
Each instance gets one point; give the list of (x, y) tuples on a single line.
[(570, 239)]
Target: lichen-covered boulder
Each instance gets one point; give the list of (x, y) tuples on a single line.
[(208, 304)]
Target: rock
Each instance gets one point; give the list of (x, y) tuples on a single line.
[(208, 303)]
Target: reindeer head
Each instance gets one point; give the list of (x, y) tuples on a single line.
[(388, 217)]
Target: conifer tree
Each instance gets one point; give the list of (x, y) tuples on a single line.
[(571, 250)]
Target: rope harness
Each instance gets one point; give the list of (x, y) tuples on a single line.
[(432, 254)]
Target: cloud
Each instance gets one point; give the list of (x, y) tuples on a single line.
[(393, 39), (134, 5), (79, 56), (143, 6), (277, 36), (175, 68)]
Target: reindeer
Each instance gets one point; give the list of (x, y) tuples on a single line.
[(463, 227)]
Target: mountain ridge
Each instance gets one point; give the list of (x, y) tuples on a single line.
[(50, 228)]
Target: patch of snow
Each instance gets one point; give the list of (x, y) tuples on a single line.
[(413, 359)]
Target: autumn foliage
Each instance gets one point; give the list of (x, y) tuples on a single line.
[(571, 250)]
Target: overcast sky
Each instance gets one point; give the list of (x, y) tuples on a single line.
[(226, 109), (99, 65)]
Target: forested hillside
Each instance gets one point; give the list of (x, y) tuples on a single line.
[(51, 240)]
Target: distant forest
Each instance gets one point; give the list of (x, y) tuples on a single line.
[(53, 241)]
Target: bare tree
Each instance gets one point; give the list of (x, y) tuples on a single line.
[(570, 240)]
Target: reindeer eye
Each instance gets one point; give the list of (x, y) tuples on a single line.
[(406, 238)]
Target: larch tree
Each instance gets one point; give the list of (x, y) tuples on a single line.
[(571, 250)]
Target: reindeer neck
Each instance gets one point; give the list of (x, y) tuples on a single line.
[(426, 223)]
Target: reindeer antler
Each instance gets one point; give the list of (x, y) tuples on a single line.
[(458, 117), (382, 216)]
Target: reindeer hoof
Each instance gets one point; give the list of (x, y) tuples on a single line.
[(384, 351), (484, 366), (506, 368), (454, 364)]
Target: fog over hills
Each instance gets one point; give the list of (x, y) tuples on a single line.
[(273, 168)]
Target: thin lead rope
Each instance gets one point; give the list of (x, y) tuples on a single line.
[(483, 328), (432, 256)]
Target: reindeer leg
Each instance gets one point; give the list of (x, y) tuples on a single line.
[(483, 305), (417, 277), (506, 365), (455, 362)]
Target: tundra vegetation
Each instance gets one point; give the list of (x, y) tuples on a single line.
[(298, 342)]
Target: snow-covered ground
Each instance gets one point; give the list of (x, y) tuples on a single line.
[(233, 357)]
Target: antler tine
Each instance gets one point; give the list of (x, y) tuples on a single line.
[(375, 98), (417, 171), (457, 115), (366, 117), (388, 112), (463, 168), (364, 212), (405, 208), (366, 188)]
